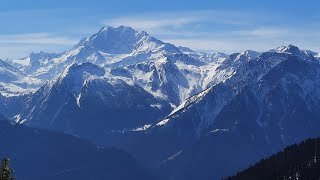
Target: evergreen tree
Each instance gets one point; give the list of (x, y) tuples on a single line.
[(5, 172), (294, 162)]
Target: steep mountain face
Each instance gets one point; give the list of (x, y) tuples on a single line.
[(177, 74), (300, 161), (38, 154), (13, 105), (183, 126), (85, 102), (194, 126), (162, 78), (174, 77), (201, 109), (279, 109), (238, 71), (142, 79)]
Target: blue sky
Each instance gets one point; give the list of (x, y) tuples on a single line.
[(216, 25)]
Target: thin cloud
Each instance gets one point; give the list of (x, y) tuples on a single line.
[(146, 21), (231, 45), (149, 23), (201, 30), (36, 38), (264, 32), (21, 45), (226, 31)]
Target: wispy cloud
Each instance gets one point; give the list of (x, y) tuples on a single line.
[(20, 45), (227, 31), (36, 38), (160, 20), (149, 23), (202, 30), (259, 39), (263, 32)]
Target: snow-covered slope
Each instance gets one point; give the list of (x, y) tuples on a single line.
[(33, 62), (190, 120), (168, 72), (112, 47), (173, 77), (121, 81), (128, 49), (84, 100), (116, 79), (279, 109), (237, 71), (125, 40), (168, 78), (14, 82), (291, 49)]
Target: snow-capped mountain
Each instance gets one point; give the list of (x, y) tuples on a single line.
[(291, 49), (125, 40), (279, 109), (238, 71), (85, 101), (186, 123), (163, 103), (172, 78), (168, 72), (206, 57), (212, 57), (266, 103), (160, 77), (33, 62), (117, 79), (109, 47), (14, 82)]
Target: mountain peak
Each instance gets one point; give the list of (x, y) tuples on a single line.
[(125, 40), (250, 54), (294, 50), (75, 75), (86, 67), (118, 29), (119, 40), (286, 49), (291, 49), (40, 55)]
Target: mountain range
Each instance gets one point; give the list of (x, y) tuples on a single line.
[(188, 114)]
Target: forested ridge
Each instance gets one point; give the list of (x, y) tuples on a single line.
[(299, 161)]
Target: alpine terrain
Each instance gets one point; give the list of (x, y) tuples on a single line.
[(184, 114)]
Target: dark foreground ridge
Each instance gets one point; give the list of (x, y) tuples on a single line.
[(40, 154), (300, 161)]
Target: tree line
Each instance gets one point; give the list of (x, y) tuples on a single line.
[(296, 162)]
